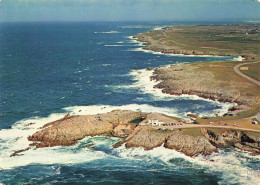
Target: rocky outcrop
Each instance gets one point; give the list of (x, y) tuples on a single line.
[(206, 143), (147, 137), (239, 139), (225, 138), (190, 145), (68, 130), (123, 130)]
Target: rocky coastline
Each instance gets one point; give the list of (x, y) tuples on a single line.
[(122, 123), (190, 79)]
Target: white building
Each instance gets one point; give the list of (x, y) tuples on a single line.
[(154, 122)]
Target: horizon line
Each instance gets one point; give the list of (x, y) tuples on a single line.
[(82, 21)]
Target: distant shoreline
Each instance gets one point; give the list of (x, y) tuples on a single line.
[(214, 40)]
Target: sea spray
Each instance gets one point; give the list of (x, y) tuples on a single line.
[(231, 165), (145, 85)]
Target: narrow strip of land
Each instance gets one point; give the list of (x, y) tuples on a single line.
[(237, 71), (205, 126)]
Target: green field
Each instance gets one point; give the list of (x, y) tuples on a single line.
[(233, 40), (224, 76), (253, 71)]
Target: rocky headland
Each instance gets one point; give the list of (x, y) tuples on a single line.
[(214, 80), (70, 129), (133, 129)]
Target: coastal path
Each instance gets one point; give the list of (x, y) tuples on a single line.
[(205, 126), (237, 71)]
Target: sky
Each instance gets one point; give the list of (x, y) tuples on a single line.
[(128, 10)]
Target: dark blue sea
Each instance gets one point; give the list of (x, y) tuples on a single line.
[(50, 69)]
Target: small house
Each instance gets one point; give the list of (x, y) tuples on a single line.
[(154, 122)]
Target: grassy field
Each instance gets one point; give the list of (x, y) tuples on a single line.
[(195, 132), (217, 80), (226, 78), (233, 40), (253, 71)]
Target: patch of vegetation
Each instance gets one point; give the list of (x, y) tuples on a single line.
[(218, 131), (254, 134), (224, 74), (195, 132), (253, 70)]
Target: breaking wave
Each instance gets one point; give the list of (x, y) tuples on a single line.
[(233, 166), (145, 85)]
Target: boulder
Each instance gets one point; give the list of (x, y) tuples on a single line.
[(190, 145)]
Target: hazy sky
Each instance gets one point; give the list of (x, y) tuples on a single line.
[(127, 10)]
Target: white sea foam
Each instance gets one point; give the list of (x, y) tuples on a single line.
[(106, 64), (16, 138), (233, 167), (136, 26), (229, 165), (146, 86), (113, 45), (239, 58), (55, 155), (108, 32), (171, 54), (131, 39), (158, 27), (160, 153), (95, 109)]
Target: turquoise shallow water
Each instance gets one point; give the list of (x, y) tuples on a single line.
[(50, 69)]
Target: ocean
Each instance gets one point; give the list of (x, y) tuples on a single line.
[(50, 69)]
